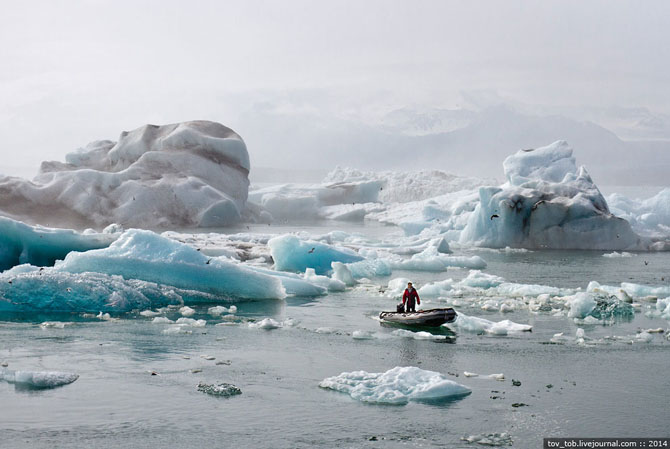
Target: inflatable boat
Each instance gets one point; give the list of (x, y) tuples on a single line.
[(430, 317)]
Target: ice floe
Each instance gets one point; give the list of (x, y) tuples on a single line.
[(293, 254), (38, 379), (481, 325), (147, 256), (395, 386)]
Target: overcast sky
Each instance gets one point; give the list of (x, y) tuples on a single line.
[(73, 72)]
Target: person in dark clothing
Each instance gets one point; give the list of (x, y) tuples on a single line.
[(409, 297)]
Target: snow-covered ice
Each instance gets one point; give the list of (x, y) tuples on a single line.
[(395, 386)]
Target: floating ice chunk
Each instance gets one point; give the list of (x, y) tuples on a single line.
[(480, 325), (469, 374), (499, 376), (581, 305), (37, 245), (222, 390), (176, 330), (421, 335), (396, 386), (217, 310), (162, 320), (38, 379), (149, 313), (476, 278), (104, 316), (342, 274), (616, 254), (266, 323), (191, 322), (490, 439), (54, 325), (186, 174), (333, 285), (150, 257), (292, 254), (369, 268), (186, 311)]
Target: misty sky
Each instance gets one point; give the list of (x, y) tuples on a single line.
[(73, 72)]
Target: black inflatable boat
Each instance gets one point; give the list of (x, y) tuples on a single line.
[(430, 317)]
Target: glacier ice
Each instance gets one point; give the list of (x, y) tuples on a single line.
[(186, 174), (37, 245), (38, 379), (547, 202), (395, 386), (293, 254), (147, 256)]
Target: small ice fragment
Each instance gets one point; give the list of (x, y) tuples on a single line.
[(196, 371), (174, 330), (186, 357), (490, 439), (500, 376), (217, 310), (4, 364), (162, 320), (232, 309), (53, 324), (103, 316), (658, 330), (469, 374), (266, 323), (186, 311), (149, 313), (208, 357), (191, 322), (222, 390)]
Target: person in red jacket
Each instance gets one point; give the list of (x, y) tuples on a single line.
[(409, 296)]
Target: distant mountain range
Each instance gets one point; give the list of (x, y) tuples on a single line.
[(462, 141)]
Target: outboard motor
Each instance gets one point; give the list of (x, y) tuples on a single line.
[(400, 308)]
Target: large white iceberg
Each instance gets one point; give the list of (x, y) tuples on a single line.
[(186, 174), (396, 386), (547, 202)]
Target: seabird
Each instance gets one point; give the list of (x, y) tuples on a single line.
[(495, 216), (310, 251)]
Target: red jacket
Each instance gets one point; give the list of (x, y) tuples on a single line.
[(413, 295)]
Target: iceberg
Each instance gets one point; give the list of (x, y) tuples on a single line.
[(42, 246), (395, 386), (191, 174), (292, 254), (144, 255), (38, 379), (547, 202)]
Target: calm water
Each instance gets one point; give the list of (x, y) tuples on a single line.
[(612, 389)]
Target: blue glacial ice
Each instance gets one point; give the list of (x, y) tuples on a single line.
[(21, 243), (191, 174), (395, 386), (547, 202), (293, 254), (147, 256)]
